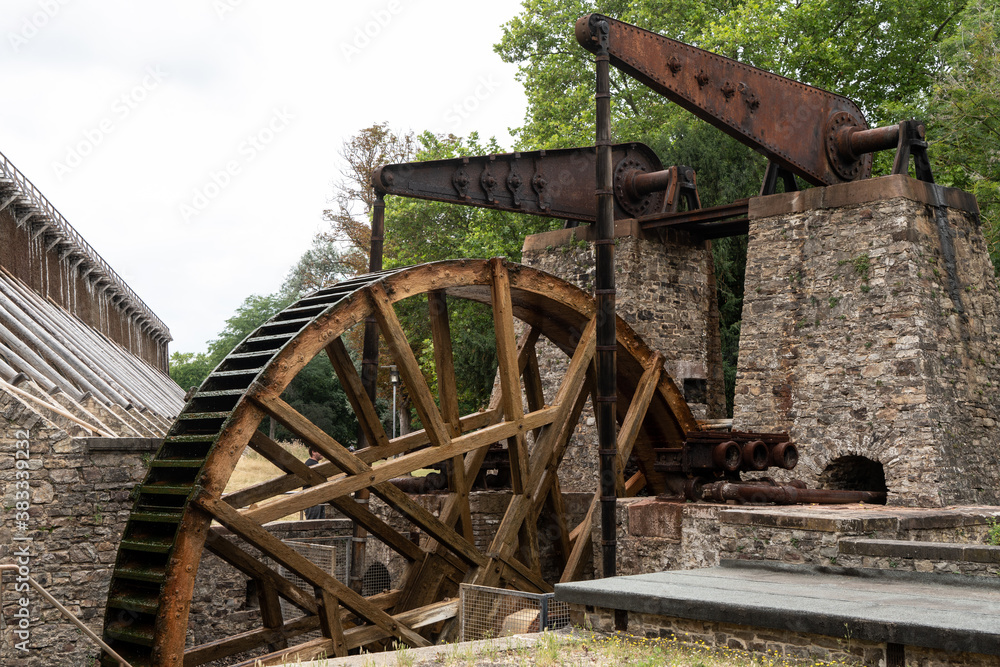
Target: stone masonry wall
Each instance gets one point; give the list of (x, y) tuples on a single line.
[(771, 644), (655, 535), (78, 501), (871, 328), (666, 293)]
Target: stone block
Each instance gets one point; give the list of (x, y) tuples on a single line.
[(653, 518)]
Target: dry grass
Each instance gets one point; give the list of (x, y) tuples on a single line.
[(253, 468), (576, 648)]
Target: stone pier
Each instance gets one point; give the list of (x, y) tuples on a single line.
[(871, 333)]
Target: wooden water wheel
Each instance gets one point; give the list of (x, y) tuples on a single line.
[(183, 494)]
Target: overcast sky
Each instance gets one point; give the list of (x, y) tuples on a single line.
[(193, 143)]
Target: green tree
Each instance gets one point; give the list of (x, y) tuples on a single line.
[(189, 369), (965, 115)]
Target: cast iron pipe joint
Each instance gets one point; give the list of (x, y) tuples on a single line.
[(592, 32)]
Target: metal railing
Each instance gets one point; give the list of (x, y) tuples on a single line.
[(65, 612), (37, 200)]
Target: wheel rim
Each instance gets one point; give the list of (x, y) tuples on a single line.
[(153, 580)]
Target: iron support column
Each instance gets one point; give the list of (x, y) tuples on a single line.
[(604, 289), (369, 375)]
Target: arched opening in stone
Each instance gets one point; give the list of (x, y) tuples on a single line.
[(853, 473)]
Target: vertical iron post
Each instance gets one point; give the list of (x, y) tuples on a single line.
[(604, 290), (369, 375)]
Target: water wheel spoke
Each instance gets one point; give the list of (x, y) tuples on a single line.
[(533, 391), (510, 385), (351, 383), (366, 476), (444, 365), (329, 621), (253, 568), (409, 367), (636, 413), (270, 545), (283, 459), (270, 613)]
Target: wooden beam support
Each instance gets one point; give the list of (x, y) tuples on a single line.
[(329, 621), (360, 475), (255, 534), (350, 381), (409, 367), (510, 385), (402, 445), (444, 364)]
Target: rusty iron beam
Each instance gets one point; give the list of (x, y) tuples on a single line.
[(550, 183), (822, 137)]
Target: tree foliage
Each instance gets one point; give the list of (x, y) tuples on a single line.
[(965, 115)]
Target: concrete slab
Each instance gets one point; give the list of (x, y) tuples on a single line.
[(947, 612)]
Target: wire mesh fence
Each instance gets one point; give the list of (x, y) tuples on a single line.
[(497, 612), (331, 554)]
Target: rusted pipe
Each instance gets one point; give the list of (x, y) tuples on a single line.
[(755, 455), (785, 455), (749, 492)]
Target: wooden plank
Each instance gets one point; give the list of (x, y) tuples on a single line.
[(252, 639), (256, 535), (444, 364), (510, 385), (247, 641), (350, 381), (416, 618), (411, 441), (329, 621), (635, 415), (558, 515), (311, 650), (270, 612), (362, 476), (533, 390), (409, 367)]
